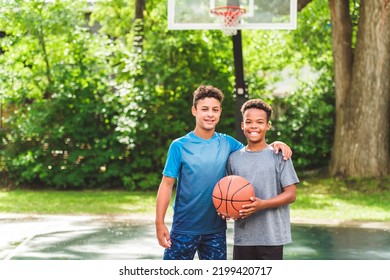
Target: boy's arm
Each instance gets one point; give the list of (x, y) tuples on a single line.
[(286, 150), (288, 196), (162, 202)]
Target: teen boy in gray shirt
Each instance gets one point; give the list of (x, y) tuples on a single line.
[(264, 226)]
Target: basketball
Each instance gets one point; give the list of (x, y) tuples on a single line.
[(230, 194)]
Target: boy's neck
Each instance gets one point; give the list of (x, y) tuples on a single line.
[(203, 133), (255, 147)]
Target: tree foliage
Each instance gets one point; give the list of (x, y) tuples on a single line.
[(303, 96), (57, 74), (100, 94)]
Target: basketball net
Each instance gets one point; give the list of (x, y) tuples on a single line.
[(231, 17)]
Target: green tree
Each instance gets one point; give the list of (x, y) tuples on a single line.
[(56, 72)]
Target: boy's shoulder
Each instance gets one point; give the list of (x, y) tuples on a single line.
[(180, 141), (278, 158), (239, 152), (269, 151), (223, 135), (230, 140), (192, 138)]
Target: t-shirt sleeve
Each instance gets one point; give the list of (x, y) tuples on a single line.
[(288, 175), (173, 161), (235, 145)]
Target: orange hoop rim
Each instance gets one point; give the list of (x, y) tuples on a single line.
[(227, 10), (231, 17)]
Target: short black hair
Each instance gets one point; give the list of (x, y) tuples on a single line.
[(258, 104)]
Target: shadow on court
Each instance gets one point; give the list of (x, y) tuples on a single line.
[(77, 238), (126, 238)]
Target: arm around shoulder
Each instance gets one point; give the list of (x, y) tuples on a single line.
[(286, 150)]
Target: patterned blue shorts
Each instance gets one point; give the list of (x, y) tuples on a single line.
[(208, 246)]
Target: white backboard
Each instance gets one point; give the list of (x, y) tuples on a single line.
[(259, 14)]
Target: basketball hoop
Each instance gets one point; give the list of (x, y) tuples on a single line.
[(231, 17)]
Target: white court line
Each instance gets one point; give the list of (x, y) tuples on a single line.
[(23, 244)]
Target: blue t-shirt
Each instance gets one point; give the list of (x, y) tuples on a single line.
[(198, 164)]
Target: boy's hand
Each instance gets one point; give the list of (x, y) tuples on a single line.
[(224, 217), (249, 209), (163, 236), (286, 151)]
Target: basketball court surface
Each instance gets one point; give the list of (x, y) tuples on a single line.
[(77, 237), (56, 237)]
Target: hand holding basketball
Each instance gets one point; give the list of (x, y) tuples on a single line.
[(251, 208), (230, 194)]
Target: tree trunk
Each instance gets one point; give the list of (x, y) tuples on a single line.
[(362, 133)]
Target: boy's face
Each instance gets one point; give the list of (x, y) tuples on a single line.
[(255, 125), (207, 113)]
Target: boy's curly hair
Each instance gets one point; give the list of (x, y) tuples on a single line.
[(204, 91)]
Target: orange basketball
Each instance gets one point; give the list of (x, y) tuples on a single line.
[(230, 194)]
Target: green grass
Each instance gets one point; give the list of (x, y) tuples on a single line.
[(76, 202), (318, 199), (349, 200)]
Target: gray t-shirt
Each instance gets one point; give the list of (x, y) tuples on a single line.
[(268, 173)]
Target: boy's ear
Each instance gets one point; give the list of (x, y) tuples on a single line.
[(242, 125), (193, 110)]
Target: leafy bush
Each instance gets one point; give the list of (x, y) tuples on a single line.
[(56, 74)]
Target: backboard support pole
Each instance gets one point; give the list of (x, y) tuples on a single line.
[(240, 88)]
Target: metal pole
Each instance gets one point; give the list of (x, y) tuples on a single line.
[(240, 89)]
